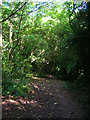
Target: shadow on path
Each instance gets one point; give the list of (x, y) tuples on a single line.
[(49, 100)]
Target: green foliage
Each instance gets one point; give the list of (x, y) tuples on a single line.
[(14, 86), (46, 42)]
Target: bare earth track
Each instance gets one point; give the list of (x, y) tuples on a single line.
[(49, 100)]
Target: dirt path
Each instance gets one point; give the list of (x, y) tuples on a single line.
[(49, 100)]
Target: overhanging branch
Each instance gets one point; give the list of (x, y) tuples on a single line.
[(13, 13), (73, 12)]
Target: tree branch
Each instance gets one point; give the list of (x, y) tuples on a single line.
[(13, 13), (73, 12), (35, 9), (11, 51)]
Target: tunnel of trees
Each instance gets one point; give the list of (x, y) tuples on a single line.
[(45, 38)]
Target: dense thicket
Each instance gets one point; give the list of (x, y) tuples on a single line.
[(45, 38)]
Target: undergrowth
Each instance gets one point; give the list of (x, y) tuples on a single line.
[(15, 86)]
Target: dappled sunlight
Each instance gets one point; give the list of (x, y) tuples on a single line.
[(8, 108), (45, 47), (46, 100), (35, 86), (34, 103), (20, 101), (31, 102), (36, 78), (11, 102), (24, 101), (20, 107)]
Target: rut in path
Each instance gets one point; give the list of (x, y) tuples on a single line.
[(49, 100)]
